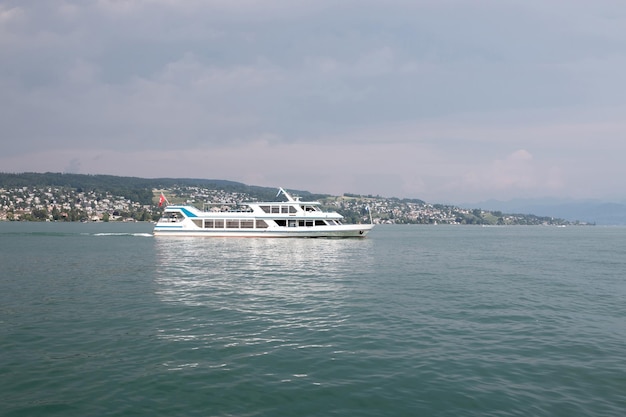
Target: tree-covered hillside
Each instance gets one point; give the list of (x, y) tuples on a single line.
[(72, 197), (133, 188)]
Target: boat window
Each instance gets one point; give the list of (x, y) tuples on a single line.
[(260, 224), (247, 224), (275, 209), (208, 224), (292, 209), (232, 224), (266, 209), (284, 209), (309, 223), (172, 217), (292, 223), (219, 224), (197, 222), (320, 223), (281, 222), (301, 223)]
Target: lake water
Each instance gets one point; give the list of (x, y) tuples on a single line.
[(105, 319)]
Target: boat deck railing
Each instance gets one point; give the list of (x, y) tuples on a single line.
[(236, 208)]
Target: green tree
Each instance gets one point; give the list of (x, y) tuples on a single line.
[(40, 214), (56, 214)]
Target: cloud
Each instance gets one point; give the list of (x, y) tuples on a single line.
[(427, 99), (73, 167), (516, 173), (516, 170), (521, 155)]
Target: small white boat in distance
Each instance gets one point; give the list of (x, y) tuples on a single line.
[(291, 218)]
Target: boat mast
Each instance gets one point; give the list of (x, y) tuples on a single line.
[(281, 190)]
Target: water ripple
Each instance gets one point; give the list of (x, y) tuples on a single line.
[(412, 321)]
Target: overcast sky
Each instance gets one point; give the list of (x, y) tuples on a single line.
[(443, 100)]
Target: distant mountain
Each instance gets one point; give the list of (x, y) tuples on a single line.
[(590, 211)]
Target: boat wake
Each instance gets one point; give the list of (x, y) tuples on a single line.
[(124, 234)]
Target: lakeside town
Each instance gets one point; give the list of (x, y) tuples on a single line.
[(55, 203)]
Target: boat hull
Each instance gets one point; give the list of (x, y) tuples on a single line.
[(343, 231)]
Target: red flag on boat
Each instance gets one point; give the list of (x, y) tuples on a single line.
[(162, 200)]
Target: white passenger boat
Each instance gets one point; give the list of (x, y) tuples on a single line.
[(291, 218)]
